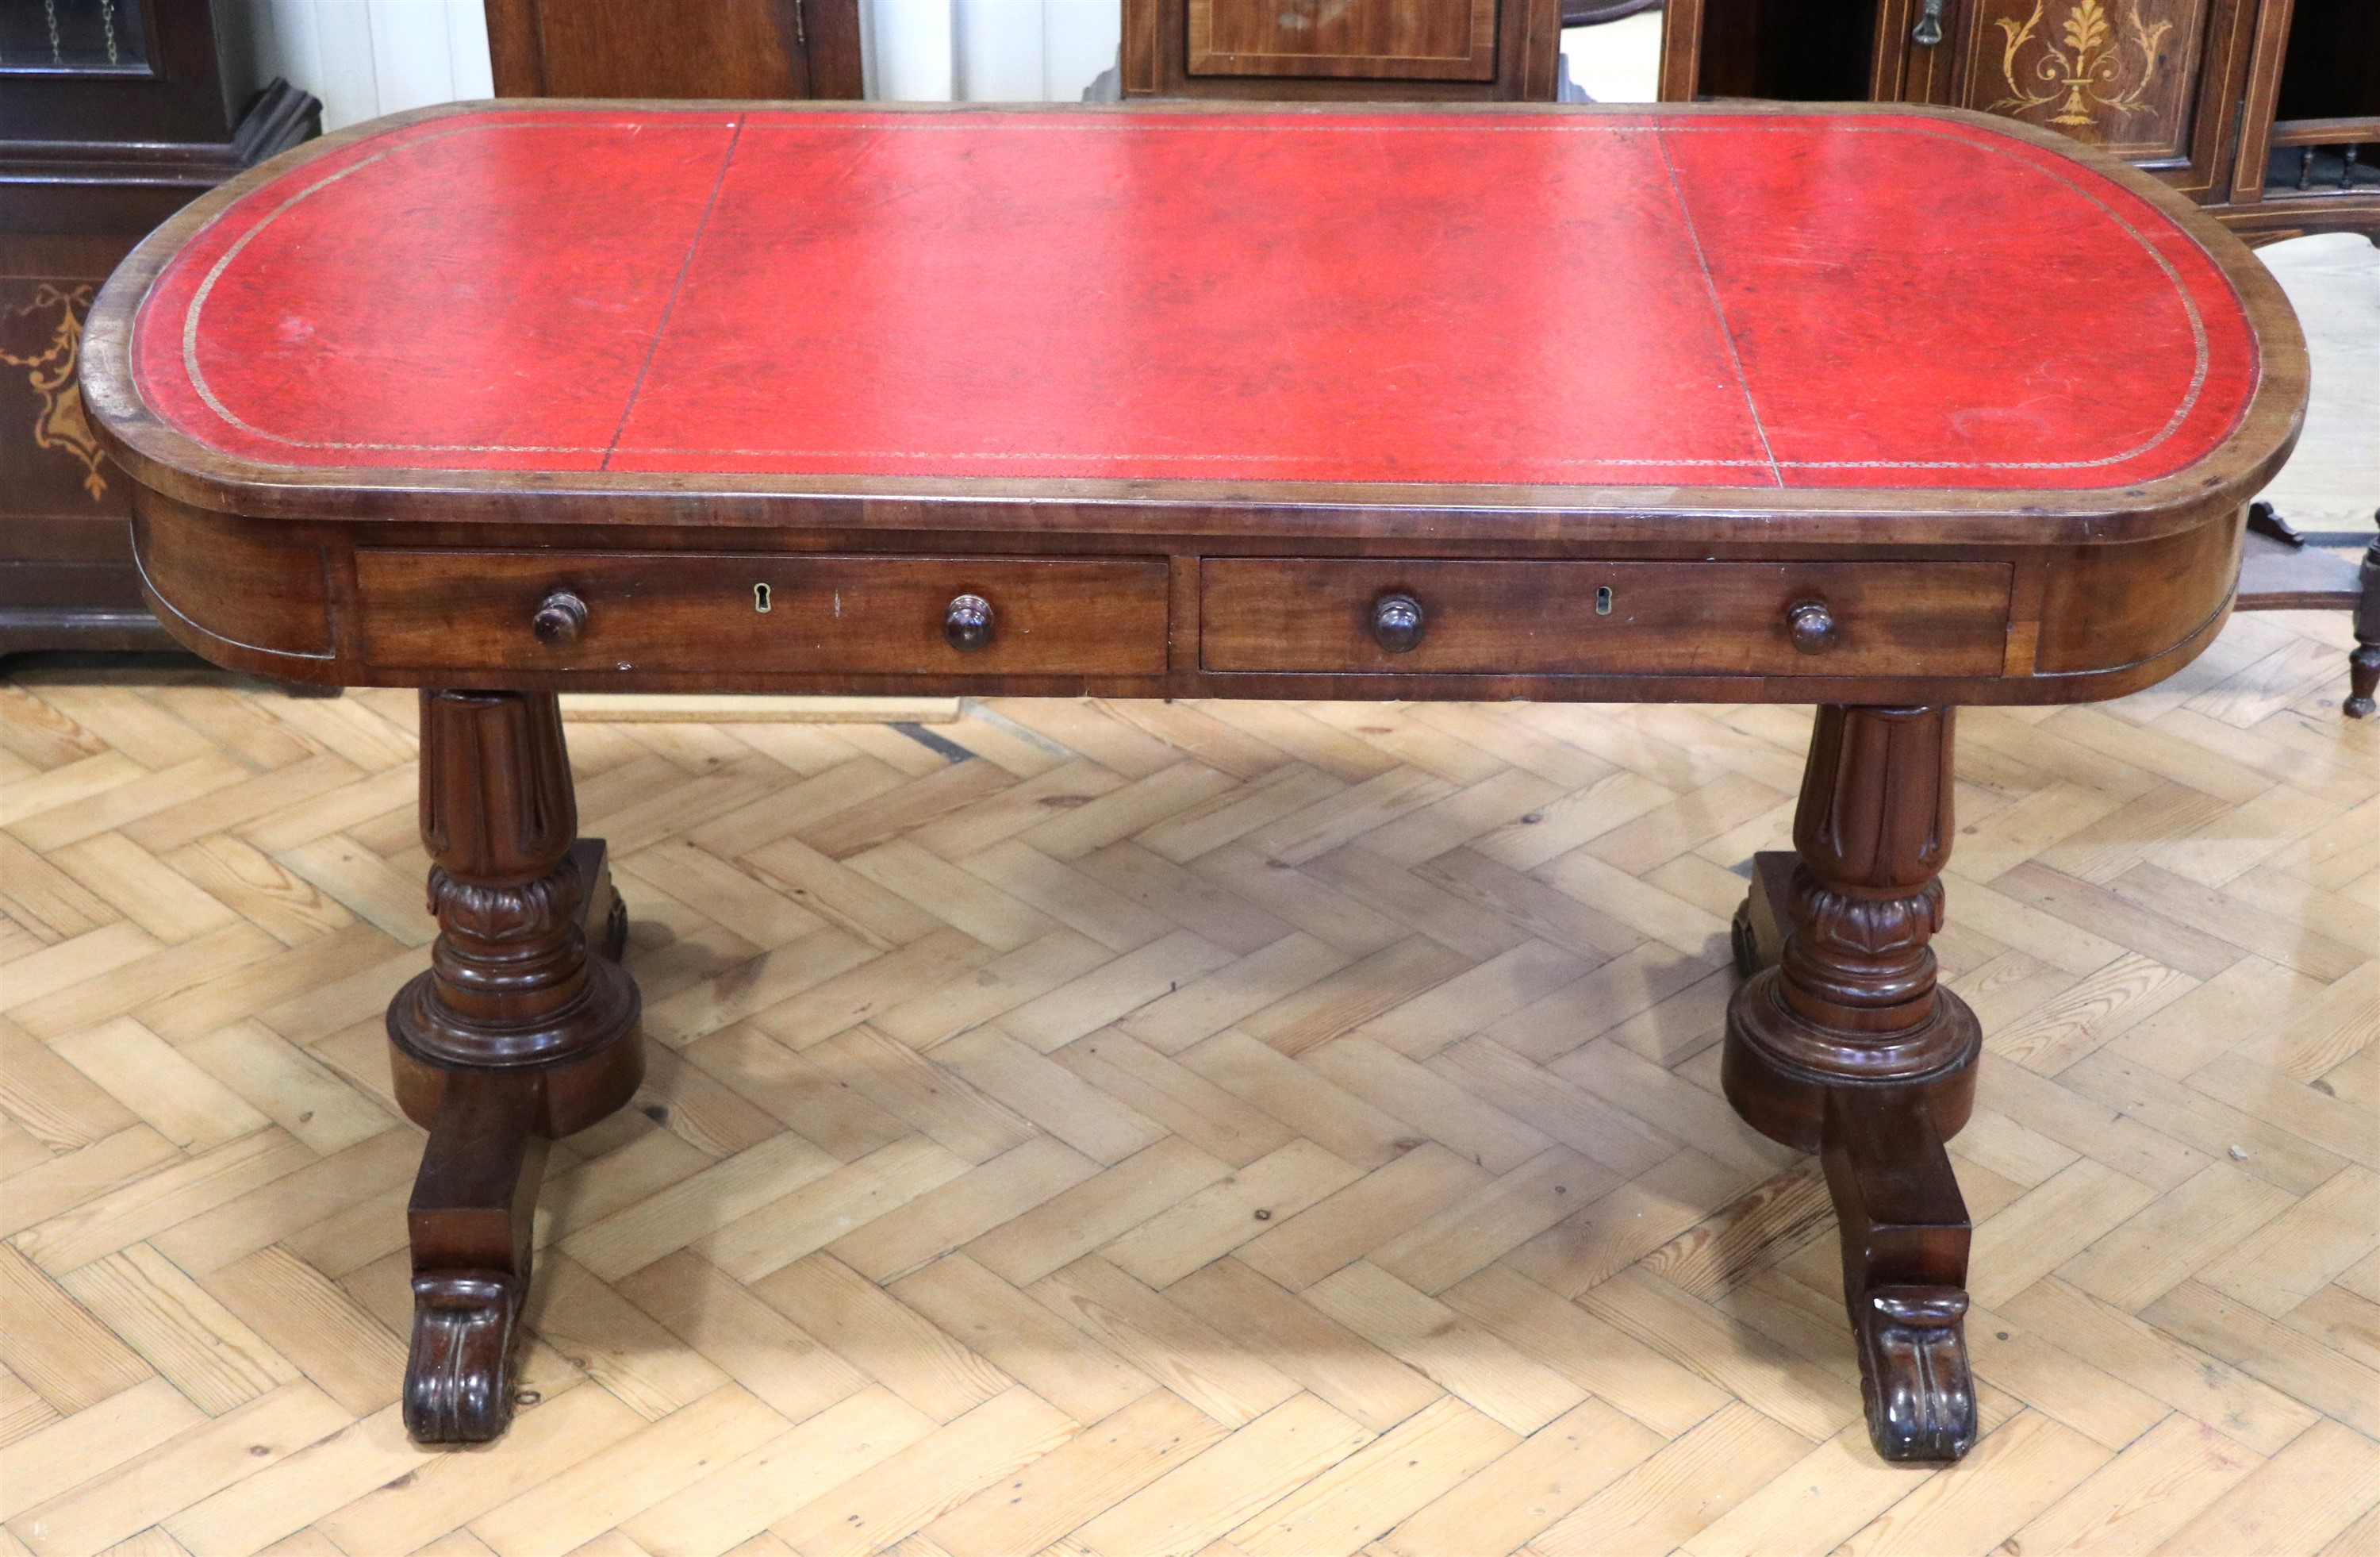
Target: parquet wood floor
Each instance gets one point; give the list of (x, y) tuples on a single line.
[(1127, 1129)]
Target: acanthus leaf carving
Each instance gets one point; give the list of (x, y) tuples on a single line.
[(1866, 927)]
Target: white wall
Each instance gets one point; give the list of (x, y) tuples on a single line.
[(364, 59), (1619, 62), (987, 51)]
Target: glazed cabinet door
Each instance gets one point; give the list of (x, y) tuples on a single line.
[(2156, 82), (1394, 39)]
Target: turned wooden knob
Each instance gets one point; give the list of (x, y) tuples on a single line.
[(967, 625), (1811, 624), (1396, 623), (560, 618)]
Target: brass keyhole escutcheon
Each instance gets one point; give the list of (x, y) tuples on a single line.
[(1603, 601), (761, 599)]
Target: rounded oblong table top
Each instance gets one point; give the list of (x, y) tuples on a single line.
[(1645, 308)]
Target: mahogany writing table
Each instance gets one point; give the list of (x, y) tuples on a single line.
[(1881, 410)]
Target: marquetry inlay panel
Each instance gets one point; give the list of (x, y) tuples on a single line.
[(2121, 74)]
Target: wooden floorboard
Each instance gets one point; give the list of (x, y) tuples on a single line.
[(1131, 1129)]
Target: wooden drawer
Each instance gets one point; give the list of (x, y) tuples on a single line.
[(1660, 618), (681, 612)]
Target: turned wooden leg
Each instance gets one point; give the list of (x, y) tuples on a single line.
[(516, 1035), (1841, 1045)]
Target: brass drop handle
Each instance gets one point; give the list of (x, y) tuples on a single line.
[(1928, 31), (1811, 624), (1396, 622), (966, 625), (560, 618)]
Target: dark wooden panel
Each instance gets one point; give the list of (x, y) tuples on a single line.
[(1408, 50), (238, 581), (1431, 39), (2105, 606), (2332, 67), (699, 49), (1660, 618), (186, 94), (1813, 51), (672, 48), (880, 616)]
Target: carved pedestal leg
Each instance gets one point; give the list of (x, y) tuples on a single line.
[(1845, 1046), (515, 1036)]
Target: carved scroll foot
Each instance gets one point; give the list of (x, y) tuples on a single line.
[(1905, 1236), (1914, 1378), (459, 1377), (470, 1220)]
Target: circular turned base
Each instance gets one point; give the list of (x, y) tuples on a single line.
[(577, 1090), (1787, 1101)]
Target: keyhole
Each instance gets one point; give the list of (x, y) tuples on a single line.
[(1602, 602), (760, 598)]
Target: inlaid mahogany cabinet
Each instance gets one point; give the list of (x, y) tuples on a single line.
[(1884, 410), (2266, 112), (112, 114)]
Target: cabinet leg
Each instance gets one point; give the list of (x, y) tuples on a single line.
[(515, 1036), (2364, 663), (1841, 1043)]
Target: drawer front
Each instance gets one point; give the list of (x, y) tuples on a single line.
[(1658, 619), (680, 612)]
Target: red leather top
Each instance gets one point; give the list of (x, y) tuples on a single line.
[(1682, 298)]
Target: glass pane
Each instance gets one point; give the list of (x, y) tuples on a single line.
[(72, 35)]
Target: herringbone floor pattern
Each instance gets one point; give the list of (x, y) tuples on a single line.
[(1128, 1129)]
